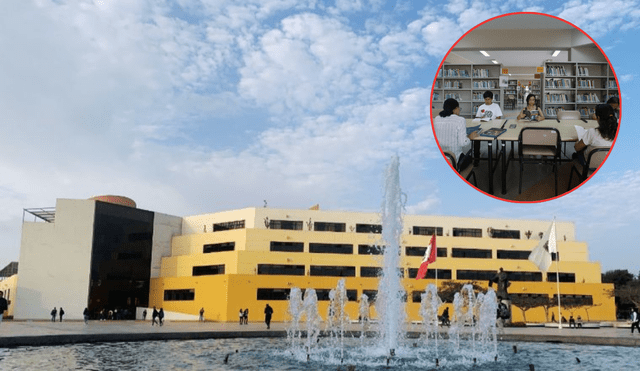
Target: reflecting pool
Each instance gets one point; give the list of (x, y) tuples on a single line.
[(274, 354)]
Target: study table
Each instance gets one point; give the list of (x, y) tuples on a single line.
[(566, 128)]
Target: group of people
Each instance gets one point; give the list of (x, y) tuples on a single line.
[(55, 312), (451, 129), (243, 316), (157, 317)]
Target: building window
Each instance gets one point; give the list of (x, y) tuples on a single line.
[(329, 227), (370, 271), (368, 228), (427, 231), (472, 275), (525, 276), (564, 277), (293, 225), (332, 271), (207, 270), (219, 247), (467, 232), (443, 274), (237, 224), (505, 233), (574, 299), (419, 251), (514, 254), (458, 252), (323, 295), (287, 246), (371, 295), (273, 294), (370, 250), (284, 270), (175, 295), (331, 248)]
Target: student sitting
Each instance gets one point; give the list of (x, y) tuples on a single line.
[(604, 134), (614, 102), (451, 131), (489, 110), (529, 112)]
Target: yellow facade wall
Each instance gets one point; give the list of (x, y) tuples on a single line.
[(237, 287), (9, 287), (241, 292)]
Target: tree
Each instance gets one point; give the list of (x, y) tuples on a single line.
[(629, 293), (449, 288), (525, 302), (619, 277)]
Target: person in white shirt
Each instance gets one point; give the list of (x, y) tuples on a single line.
[(489, 110), (635, 321), (451, 132), (604, 134)]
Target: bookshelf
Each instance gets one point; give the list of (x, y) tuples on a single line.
[(466, 83), (576, 86)]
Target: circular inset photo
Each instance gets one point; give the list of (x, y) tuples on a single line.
[(525, 107)]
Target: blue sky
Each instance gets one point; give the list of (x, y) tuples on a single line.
[(194, 106)]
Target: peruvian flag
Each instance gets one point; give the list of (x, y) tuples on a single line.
[(429, 257)]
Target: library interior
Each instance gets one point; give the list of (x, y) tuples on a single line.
[(547, 78)]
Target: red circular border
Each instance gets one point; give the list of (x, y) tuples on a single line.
[(506, 15)]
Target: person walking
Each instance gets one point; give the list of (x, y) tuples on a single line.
[(245, 316), (241, 316), (3, 305), (201, 319), (54, 312), (161, 316), (144, 315), (635, 321), (268, 311), (85, 314), (61, 314), (154, 315)]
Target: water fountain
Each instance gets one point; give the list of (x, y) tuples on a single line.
[(473, 323)]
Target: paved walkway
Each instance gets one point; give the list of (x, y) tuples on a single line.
[(38, 333)]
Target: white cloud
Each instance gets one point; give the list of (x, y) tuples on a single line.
[(598, 17), (440, 36), (626, 77), (311, 63)]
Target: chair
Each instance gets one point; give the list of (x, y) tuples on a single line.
[(466, 173), (595, 158), (544, 142), (568, 115)]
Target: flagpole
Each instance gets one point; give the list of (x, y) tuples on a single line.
[(557, 277)]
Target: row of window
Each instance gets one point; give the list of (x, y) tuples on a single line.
[(461, 274), (377, 228), (350, 271), (340, 248), (352, 295)]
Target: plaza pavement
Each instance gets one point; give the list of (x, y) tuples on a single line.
[(44, 333)]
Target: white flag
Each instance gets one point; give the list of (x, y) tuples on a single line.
[(541, 255)]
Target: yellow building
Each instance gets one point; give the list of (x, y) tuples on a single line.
[(247, 258)]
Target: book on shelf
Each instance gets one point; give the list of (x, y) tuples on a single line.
[(556, 71), (587, 98), (480, 72), (583, 71)]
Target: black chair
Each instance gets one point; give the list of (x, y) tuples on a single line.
[(544, 142), (595, 158), (466, 173)]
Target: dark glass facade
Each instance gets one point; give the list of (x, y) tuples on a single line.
[(120, 258)]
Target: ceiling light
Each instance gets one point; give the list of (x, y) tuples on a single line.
[(484, 53), (494, 61), (555, 54)]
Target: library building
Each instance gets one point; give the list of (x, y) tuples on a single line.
[(539, 101), (106, 254)]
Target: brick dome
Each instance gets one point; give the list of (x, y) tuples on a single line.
[(118, 200)]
